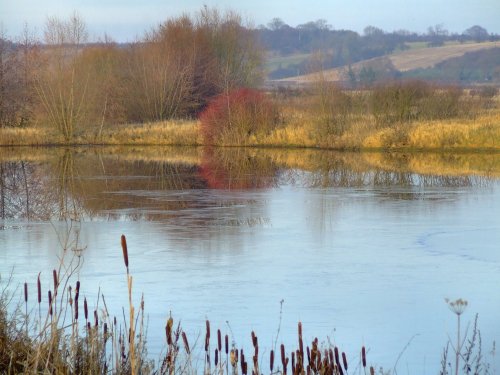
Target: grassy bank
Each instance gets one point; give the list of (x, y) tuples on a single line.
[(299, 130)]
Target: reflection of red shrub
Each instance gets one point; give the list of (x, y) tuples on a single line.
[(231, 118), (236, 169)]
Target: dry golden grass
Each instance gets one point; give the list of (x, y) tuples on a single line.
[(482, 133), (301, 128), (32, 136), (184, 133)]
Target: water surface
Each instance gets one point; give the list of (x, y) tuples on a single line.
[(362, 248)]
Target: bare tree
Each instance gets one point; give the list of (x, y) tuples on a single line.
[(62, 85)]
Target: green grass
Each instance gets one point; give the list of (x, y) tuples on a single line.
[(273, 63)]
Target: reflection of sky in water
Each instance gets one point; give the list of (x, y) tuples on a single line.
[(364, 265)]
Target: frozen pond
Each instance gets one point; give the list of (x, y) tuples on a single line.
[(362, 248)]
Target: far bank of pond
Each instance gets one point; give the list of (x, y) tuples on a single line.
[(479, 134)]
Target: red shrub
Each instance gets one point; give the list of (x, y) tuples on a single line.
[(230, 119)]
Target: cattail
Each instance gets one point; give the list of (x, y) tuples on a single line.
[(308, 370), (125, 251), (26, 292), (216, 356), (76, 308), (372, 370), (363, 356), (39, 287), (219, 340), (337, 359), (168, 330), (344, 359), (88, 326), (56, 283), (244, 368), (308, 355), (77, 291), (283, 355), (207, 336), (330, 355), (50, 302), (105, 329), (85, 309), (186, 344), (271, 360), (254, 339), (96, 318), (226, 344), (293, 362), (236, 355)]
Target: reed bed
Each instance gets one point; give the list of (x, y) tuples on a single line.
[(46, 333), (54, 330)]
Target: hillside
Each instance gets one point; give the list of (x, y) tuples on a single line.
[(404, 61)]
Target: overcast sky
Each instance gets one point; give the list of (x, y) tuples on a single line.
[(126, 19)]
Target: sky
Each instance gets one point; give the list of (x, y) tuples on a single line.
[(125, 20)]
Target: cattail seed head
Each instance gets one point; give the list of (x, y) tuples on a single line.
[(96, 319), (283, 355), (26, 292), (337, 358), (186, 343), (50, 302), (219, 340), (125, 250), (271, 360), (207, 336), (85, 309), (226, 344), (216, 356), (344, 359), (232, 358), (76, 308), (39, 287), (56, 282), (168, 330), (372, 370), (363, 356)]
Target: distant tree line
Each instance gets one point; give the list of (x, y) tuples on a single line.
[(344, 47), (171, 72)]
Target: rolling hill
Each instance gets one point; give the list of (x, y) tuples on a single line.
[(411, 59)]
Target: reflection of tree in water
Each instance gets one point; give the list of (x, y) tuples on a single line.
[(88, 183), (237, 169)]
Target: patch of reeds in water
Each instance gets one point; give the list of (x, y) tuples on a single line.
[(50, 336)]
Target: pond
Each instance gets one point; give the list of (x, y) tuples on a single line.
[(362, 248)]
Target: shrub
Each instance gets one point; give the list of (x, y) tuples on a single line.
[(231, 119), (400, 102), (334, 108)]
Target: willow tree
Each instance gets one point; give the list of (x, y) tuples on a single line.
[(62, 84), (178, 66)]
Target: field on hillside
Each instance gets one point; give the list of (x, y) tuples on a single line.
[(413, 58)]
